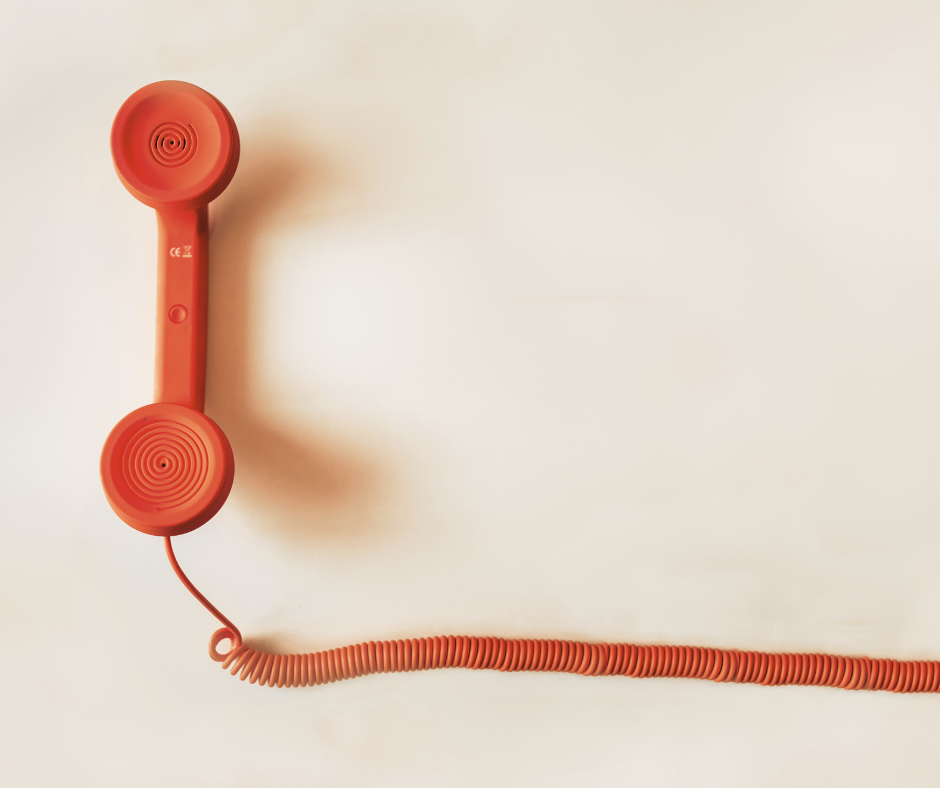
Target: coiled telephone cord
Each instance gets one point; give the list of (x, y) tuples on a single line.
[(558, 656)]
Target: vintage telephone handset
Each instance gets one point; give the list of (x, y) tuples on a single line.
[(167, 468)]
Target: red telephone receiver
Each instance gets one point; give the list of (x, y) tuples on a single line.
[(167, 468)]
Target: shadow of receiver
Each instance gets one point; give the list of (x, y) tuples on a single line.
[(311, 488)]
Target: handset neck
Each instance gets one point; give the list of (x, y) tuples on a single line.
[(182, 306)]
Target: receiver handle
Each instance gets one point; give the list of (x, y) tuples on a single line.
[(182, 307)]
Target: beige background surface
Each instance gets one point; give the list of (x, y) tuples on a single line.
[(601, 320)]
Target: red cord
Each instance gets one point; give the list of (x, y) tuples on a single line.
[(560, 656), (234, 635)]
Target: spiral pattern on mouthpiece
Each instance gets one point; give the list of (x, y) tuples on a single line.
[(166, 463), (173, 144)]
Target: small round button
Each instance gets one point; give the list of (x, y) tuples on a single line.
[(178, 313)]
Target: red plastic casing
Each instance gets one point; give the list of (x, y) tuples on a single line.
[(167, 468)]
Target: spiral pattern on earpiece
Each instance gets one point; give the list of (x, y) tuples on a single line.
[(166, 463), (173, 144)]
